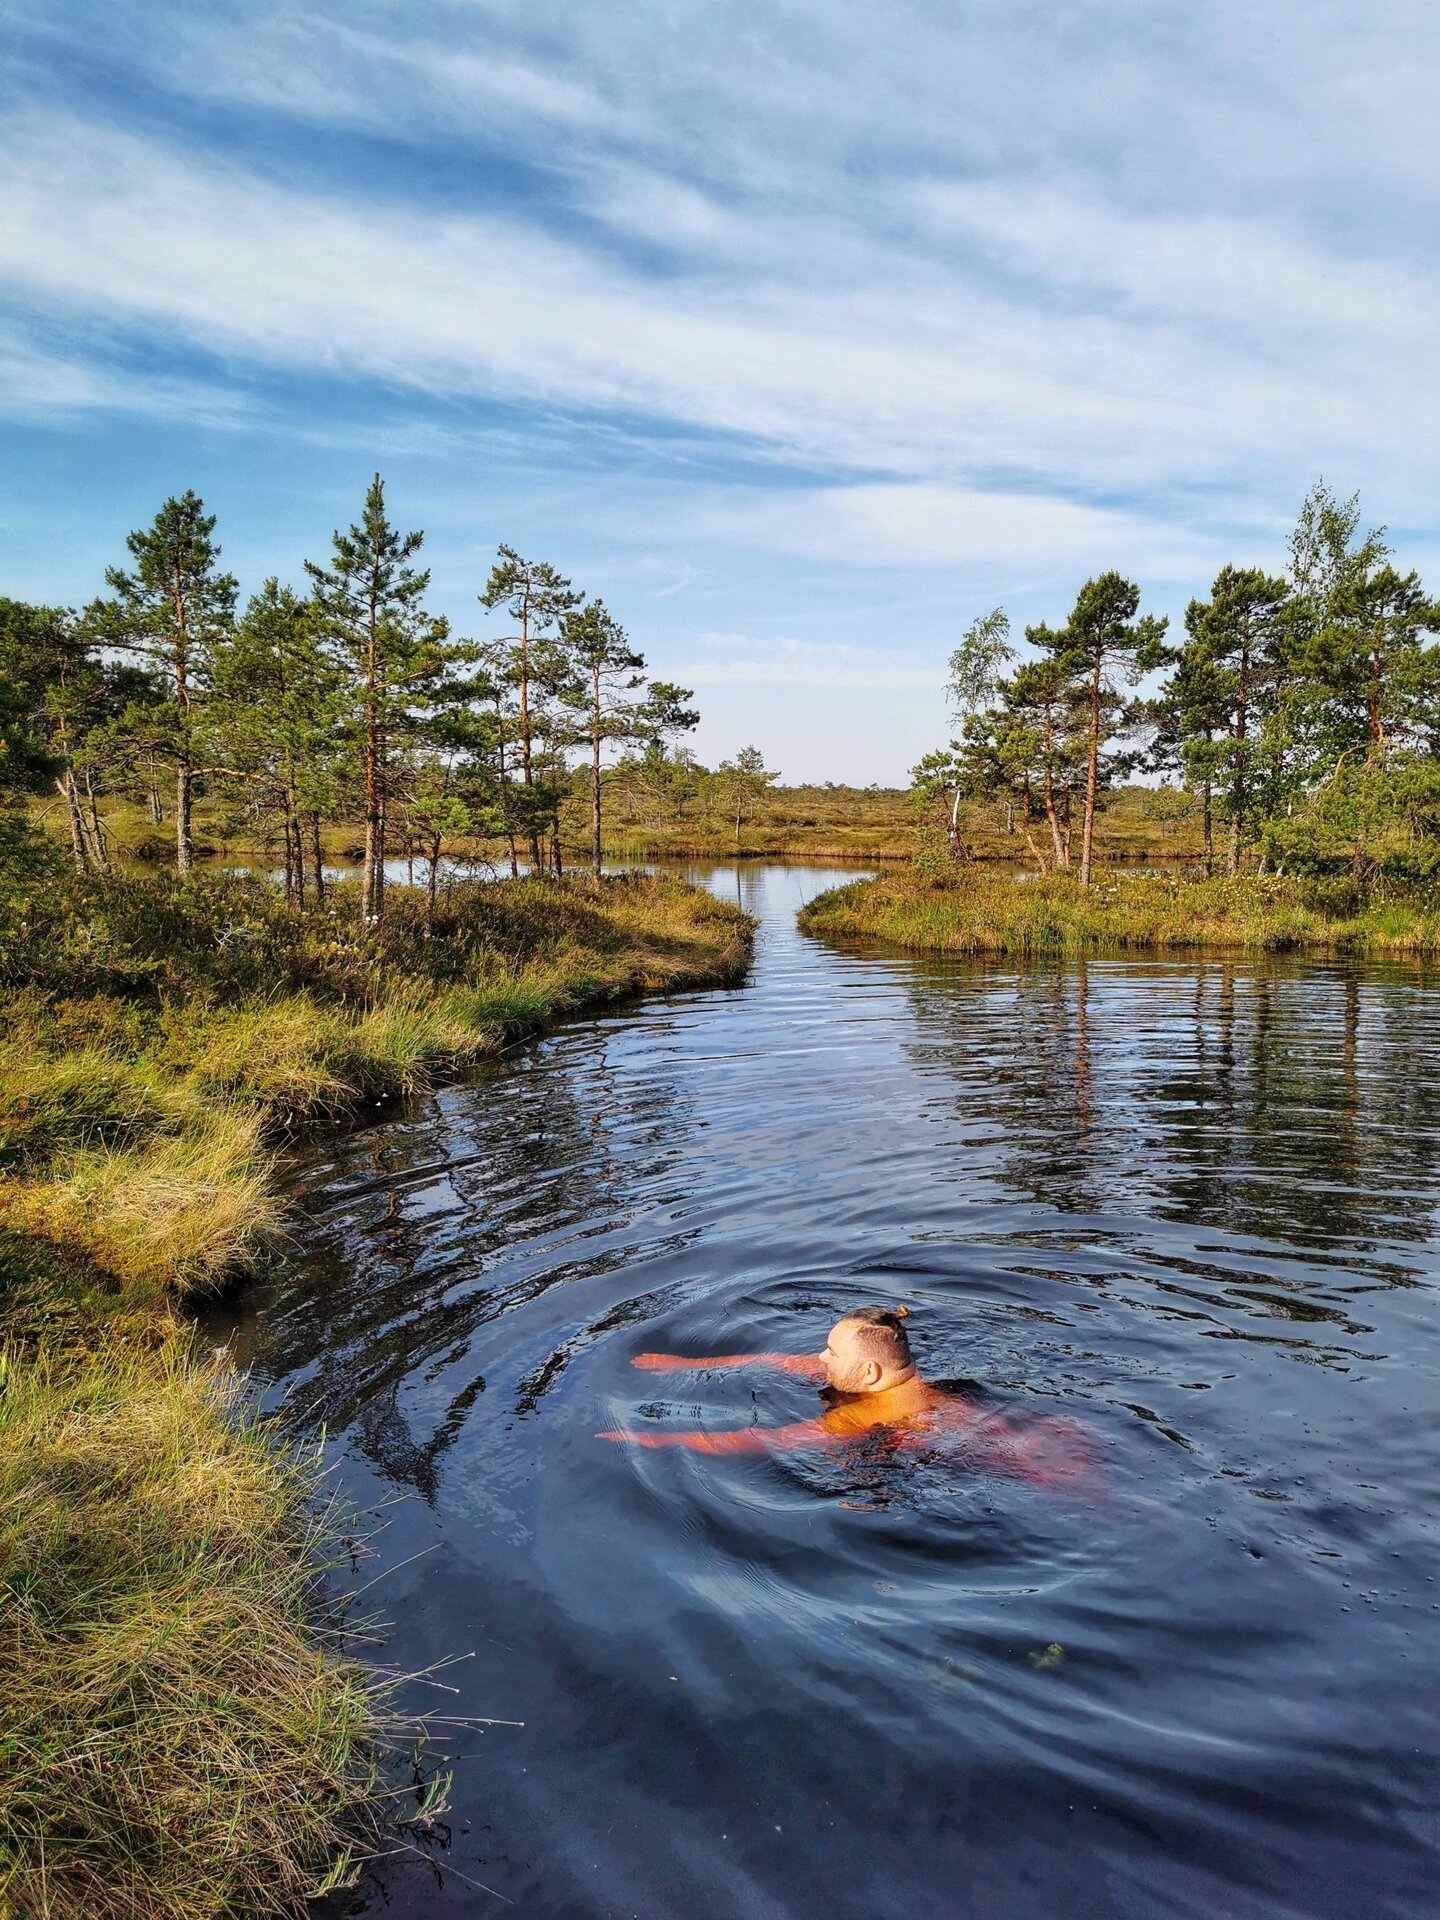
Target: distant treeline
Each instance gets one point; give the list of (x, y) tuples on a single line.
[(1302, 708), (347, 702)]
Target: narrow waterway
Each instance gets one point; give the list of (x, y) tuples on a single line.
[(1191, 1203)]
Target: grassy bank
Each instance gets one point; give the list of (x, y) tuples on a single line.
[(180, 1734), (158, 1037), (970, 912)]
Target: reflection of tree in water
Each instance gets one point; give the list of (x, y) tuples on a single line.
[(1288, 1103), (438, 1224), (1018, 1045)]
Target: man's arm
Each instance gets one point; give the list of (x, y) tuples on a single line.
[(809, 1364), (801, 1433)]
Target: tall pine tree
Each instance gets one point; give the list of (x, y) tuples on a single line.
[(173, 609), (390, 652)]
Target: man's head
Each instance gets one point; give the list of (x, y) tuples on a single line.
[(867, 1351)]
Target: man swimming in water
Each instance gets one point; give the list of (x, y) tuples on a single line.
[(871, 1383)]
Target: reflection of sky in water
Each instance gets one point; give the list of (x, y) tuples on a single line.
[(1189, 1202)]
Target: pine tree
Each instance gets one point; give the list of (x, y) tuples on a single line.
[(276, 722), (608, 668), (1224, 688), (1102, 638), (173, 610), (390, 652), (1042, 707), (539, 598)]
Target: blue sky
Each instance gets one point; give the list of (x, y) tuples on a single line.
[(802, 334)]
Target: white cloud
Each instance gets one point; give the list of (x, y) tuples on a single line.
[(1151, 375), (42, 383), (1034, 538)]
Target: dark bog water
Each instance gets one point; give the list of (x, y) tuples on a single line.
[(1190, 1203)]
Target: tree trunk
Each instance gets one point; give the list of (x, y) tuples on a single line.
[(1061, 859), (1026, 815), (372, 883), (1209, 835), (184, 839), (595, 785), (316, 860), (95, 833), (507, 817), (157, 812), (184, 776), (1092, 775), (1237, 792), (65, 782), (531, 826), (957, 843), (433, 857), (289, 860)]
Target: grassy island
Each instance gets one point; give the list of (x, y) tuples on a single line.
[(971, 911), (183, 1733)]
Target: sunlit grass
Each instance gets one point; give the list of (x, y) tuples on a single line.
[(176, 1211), (178, 1738), (146, 1138), (975, 912)]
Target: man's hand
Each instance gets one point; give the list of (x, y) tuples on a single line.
[(664, 1362)]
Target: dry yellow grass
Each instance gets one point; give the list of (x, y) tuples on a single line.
[(175, 1211), (180, 1741), (151, 1156)]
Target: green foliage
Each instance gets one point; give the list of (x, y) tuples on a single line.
[(745, 779), (1304, 711), (173, 610)]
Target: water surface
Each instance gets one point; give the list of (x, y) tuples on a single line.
[(1190, 1203)]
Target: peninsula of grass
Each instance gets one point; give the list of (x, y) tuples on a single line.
[(184, 1732), (965, 910)]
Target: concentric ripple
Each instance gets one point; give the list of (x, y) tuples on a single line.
[(1190, 1203)]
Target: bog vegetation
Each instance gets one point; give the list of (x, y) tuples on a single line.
[(1301, 710), (1300, 714)]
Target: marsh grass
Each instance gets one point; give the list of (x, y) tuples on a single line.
[(181, 1735), (144, 1136), (972, 912), (180, 1738), (177, 1211)]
